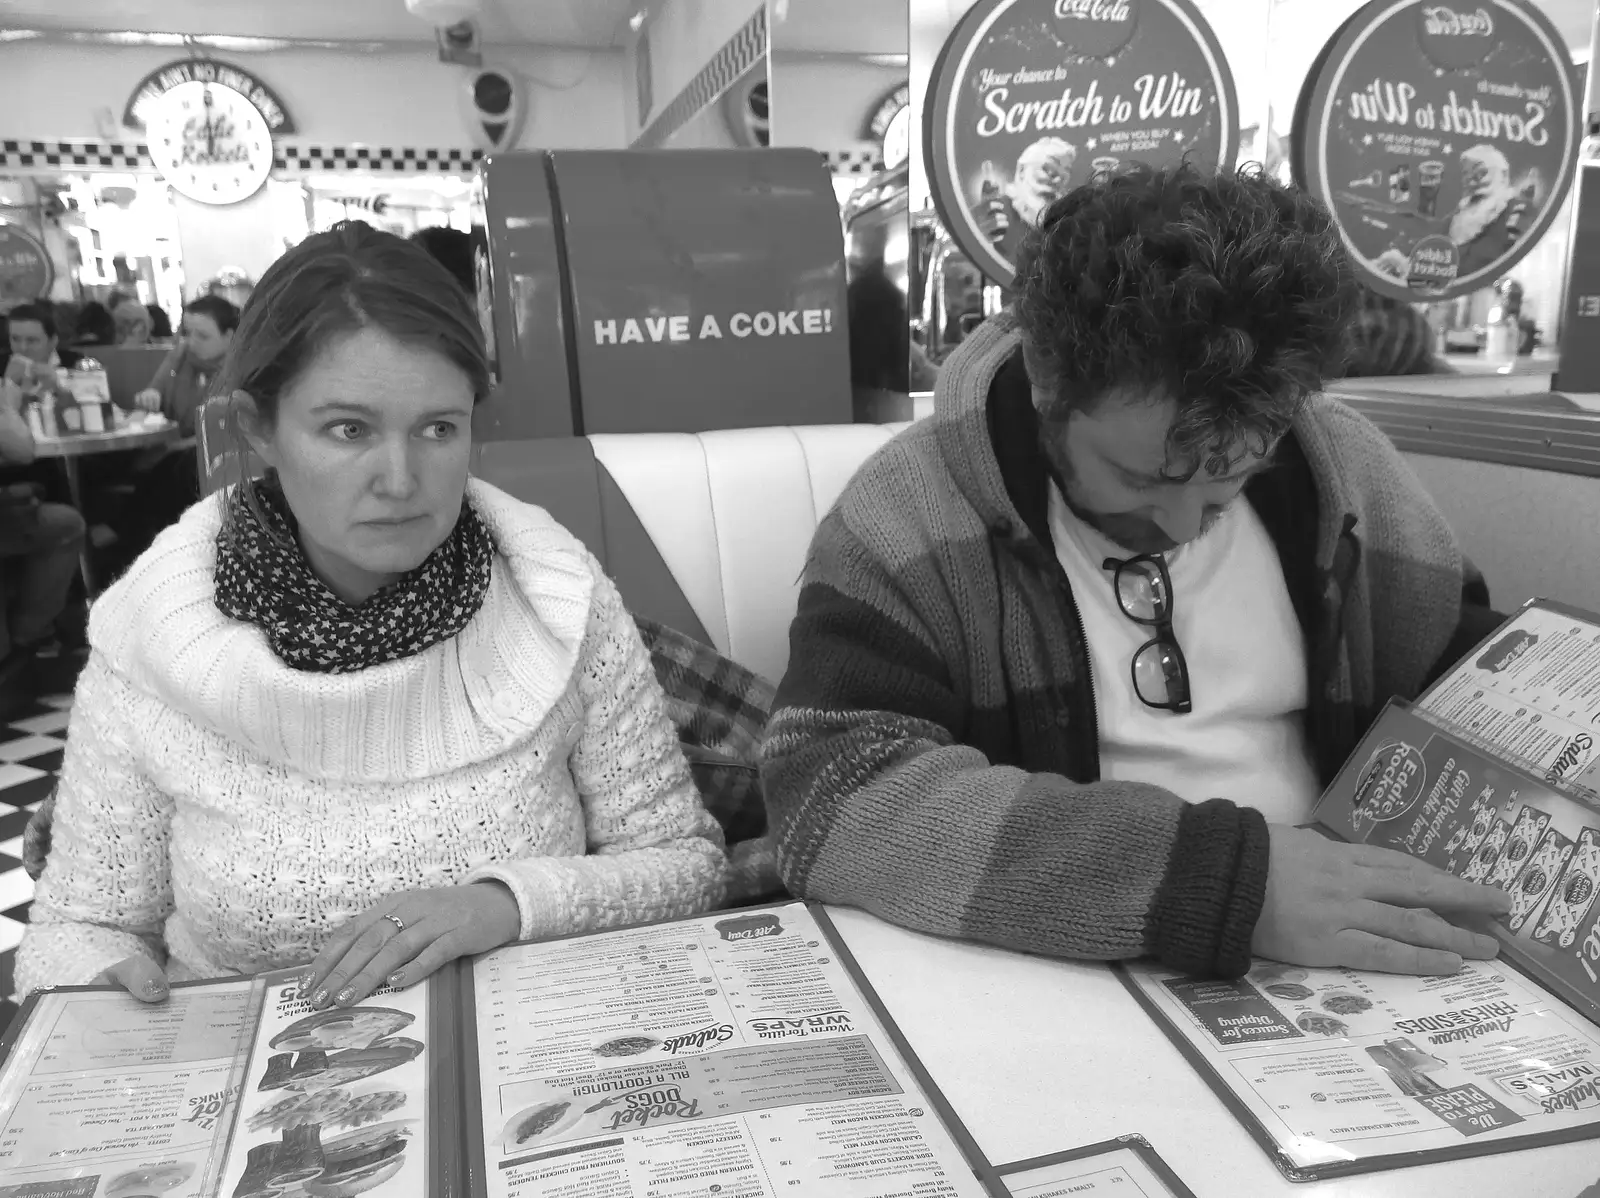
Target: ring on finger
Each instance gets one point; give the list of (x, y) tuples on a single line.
[(397, 921)]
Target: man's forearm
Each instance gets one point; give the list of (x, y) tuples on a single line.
[(16, 441)]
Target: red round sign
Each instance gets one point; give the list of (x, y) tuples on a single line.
[(26, 271), (1031, 98), (1442, 137)]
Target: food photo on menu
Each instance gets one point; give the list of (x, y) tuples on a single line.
[(742, 1051), (1490, 775), (334, 1103)]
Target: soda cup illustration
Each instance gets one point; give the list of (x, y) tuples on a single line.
[(1429, 175), (1400, 184)]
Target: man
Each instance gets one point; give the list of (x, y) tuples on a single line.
[(35, 354), (1486, 223), (1009, 211), (1073, 656), (39, 545)]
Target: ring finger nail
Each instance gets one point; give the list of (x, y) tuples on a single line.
[(345, 996)]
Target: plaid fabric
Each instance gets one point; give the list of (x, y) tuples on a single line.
[(720, 710), (36, 838)]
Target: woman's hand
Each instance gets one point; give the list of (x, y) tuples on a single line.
[(148, 400), (139, 976), (407, 936)]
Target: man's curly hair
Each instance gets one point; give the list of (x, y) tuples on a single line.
[(1230, 294)]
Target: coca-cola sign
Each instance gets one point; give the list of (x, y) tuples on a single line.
[(1455, 38), (1097, 28), (1031, 98), (1443, 139)]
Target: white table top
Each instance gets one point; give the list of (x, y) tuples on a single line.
[(1039, 1056)]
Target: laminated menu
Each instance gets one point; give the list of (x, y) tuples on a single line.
[(1491, 775), (1124, 1168), (738, 1054)]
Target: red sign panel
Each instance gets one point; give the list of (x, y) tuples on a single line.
[(1031, 98), (1442, 136), (26, 271)]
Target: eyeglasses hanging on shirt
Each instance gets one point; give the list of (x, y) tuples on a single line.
[(1144, 592)]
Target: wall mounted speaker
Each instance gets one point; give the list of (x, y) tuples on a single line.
[(494, 103)]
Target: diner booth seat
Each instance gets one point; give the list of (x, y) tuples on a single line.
[(703, 532)]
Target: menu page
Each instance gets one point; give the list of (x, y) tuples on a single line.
[(1127, 1168), (1338, 1069), (731, 1054), (1416, 788), (107, 1097), (1532, 694), (333, 1102)]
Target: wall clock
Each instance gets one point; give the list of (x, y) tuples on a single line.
[(210, 142)]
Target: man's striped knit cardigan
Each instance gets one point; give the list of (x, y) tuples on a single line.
[(933, 756)]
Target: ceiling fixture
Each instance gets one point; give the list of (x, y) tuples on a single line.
[(444, 12)]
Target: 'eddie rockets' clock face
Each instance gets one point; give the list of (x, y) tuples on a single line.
[(211, 143)]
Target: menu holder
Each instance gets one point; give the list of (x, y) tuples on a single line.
[(1490, 776), (1127, 1167), (743, 1049)]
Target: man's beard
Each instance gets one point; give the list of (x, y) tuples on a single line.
[(1030, 203), (1127, 530)]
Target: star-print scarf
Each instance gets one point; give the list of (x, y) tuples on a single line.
[(263, 578)]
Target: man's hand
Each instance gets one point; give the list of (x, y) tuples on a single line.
[(19, 370), (1329, 903)]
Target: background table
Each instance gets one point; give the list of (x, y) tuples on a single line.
[(1040, 1056), (71, 449)]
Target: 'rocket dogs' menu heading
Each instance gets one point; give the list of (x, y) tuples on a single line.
[(1416, 788), (1442, 137), (1031, 98)]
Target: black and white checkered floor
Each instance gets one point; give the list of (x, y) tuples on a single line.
[(31, 743)]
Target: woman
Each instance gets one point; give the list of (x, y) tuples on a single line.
[(364, 713), (131, 318), (183, 379)]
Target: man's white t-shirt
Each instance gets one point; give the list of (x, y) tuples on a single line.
[(1245, 738)]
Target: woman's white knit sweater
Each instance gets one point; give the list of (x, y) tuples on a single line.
[(225, 813)]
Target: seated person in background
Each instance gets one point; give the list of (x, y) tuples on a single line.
[(1073, 657), (39, 545), (451, 249), (131, 318), (165, 479), (160, 326), (1390, 337), (94, 326), (36, 352), (182, 381), (364, 713)]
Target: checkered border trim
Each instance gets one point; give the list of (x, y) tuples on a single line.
[(291, 158), (294, 158), (86, 155), (728, 65), (861, 160)]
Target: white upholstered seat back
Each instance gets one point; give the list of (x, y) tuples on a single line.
[(732, 514)]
